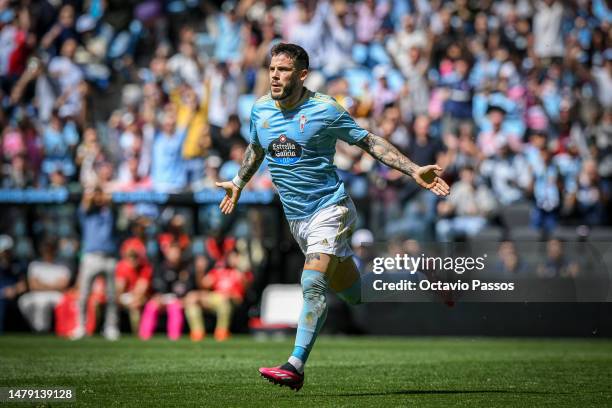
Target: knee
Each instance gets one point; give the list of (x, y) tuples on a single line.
[(191, 299)]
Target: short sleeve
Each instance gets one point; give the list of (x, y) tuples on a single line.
[(253, 139), (345, 128)]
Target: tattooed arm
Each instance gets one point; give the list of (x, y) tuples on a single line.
[(425, 176), (253, 157)]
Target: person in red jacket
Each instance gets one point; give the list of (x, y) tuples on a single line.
[(133, 279)]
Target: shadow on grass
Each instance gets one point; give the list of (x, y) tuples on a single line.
[(435, 392)]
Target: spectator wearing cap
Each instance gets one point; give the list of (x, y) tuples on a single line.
[(47, 279), (494, 134)]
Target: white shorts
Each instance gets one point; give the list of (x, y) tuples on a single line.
[(328, 231)]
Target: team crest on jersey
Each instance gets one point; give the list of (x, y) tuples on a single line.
[(302, 123), (285, 150), (265, 124)]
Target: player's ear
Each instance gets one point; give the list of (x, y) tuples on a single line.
[(303, 74)]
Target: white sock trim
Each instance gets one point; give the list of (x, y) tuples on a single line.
[(297, 363)]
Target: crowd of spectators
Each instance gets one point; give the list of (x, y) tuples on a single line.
[(512, 97)]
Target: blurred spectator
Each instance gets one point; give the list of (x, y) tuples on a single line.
[(12, 282), (168, 171), (172, 280), (547, 33), (69, 76), (224, 288), (508, 173), (59, 139), (175, 235), (99, 245), (47, 279), (546, 188), (223, 100), (133, 279), (591, 195), (509, 262), (469, 207), (557, 264), (458, 104)]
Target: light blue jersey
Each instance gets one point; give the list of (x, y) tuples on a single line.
[(300, 144)]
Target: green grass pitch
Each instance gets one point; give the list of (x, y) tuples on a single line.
[(342, 372)]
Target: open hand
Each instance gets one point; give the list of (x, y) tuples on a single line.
[(232, 193), (429, 177)]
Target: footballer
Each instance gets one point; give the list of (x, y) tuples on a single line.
[(296, 130)]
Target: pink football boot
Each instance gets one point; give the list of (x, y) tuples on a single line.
[(283, 376)]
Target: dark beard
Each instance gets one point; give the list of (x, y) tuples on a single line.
[(288, 90)]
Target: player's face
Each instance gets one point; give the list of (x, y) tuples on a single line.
[(285, 79)]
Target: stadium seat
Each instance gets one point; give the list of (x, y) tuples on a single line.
[(360, 54), (518, 214), (489, 234), (379, 55), (524, 233), (281, 305), (395, 80)]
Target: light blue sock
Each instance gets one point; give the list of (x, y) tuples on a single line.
[(314, 312)]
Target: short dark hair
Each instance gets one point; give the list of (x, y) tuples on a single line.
[(293, 51)]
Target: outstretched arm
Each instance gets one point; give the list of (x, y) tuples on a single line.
[(425, 176), (253, 157)]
